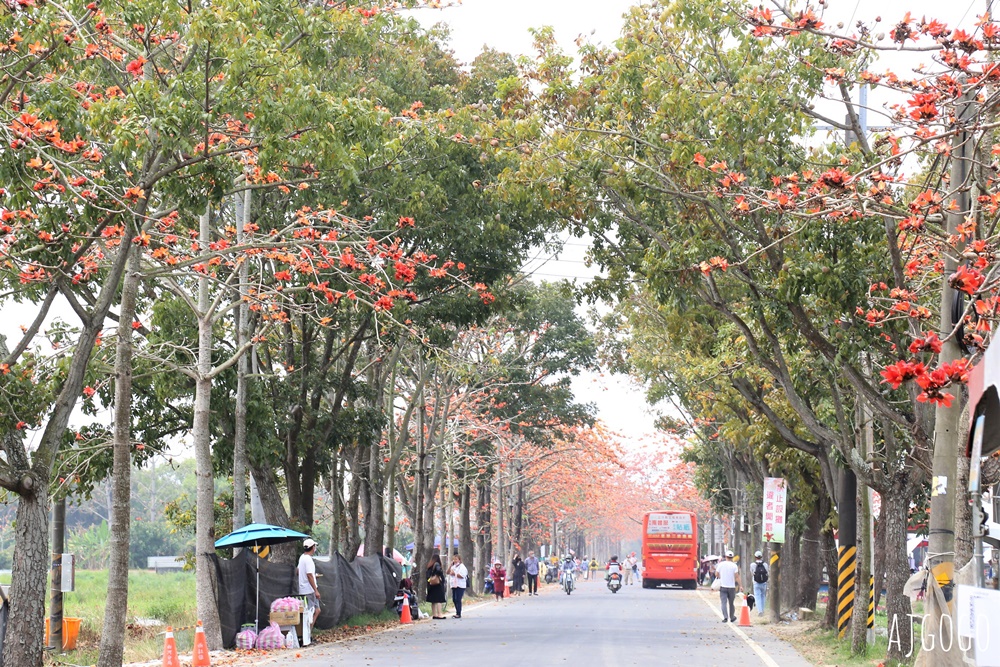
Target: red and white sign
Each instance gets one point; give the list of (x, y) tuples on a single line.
[(775, 498)]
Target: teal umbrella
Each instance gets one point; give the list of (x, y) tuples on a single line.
[(258, 535)]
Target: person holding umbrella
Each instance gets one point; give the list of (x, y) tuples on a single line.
[(307, 578)]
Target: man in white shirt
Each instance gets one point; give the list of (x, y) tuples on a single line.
[(458, 579), (729, 580), (629, 567), (307, 578)]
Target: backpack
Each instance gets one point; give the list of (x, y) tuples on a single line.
[(760, 573)]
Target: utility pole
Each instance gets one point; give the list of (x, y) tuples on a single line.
[(944, 468), (56, 596), (847, 551)]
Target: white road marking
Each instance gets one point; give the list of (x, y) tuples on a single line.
[(757, 648)]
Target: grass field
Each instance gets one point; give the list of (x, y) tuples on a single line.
[(157, 600), (823, 647)]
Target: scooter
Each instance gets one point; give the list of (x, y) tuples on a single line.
[(568, 581), (614, 581), (551, 574)]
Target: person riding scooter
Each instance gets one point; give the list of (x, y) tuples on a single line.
[(613, 567), (567, 572), (614, 574)]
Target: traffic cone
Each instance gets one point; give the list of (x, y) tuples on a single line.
[(506, 589), (170, 658), (744, 616), (404, 616), (200, 657)]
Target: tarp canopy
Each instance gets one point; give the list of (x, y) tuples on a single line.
[(365, 586)]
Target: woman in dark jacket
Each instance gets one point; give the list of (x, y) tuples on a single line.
[(517, 578), (435, 592)]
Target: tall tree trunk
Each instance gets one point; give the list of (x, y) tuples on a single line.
[(242, 314), (375, 517), (484, 524), (23, 643), (352, 536), (208, 612), (895, 512), (25, 625), (116, 608), (774, 585), (810, 563), (390, 519), (879, 569), (829, 547), (466, 545), (790, 568), (337, 500), (519, 514)]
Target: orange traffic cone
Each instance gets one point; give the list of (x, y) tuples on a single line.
[(744, 616), (506, 590), (170, 658), (404, 616), (200, 657)]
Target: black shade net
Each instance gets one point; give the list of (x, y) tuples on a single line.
[(365, 586)]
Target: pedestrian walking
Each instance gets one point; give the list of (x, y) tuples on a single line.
[(532, 570), (627, 570), (761, 572), (458, 579), (517, 576), (592, 568), (729, 581), (307, 578), (435, 587), (499, 577)]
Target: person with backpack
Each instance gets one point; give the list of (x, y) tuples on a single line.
[(760, 572)]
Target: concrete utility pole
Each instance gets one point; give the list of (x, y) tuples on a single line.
[(56, 596), (944, 469), (847, 550)]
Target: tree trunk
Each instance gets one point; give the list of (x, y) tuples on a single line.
[(25, 625), (375, 517), (201, 434), (790, 568), (116, 608), (352, 535), (466, 545), (810, 562), (879, 569), (484, 524), (23, 643), (964, 542), (829, 548), (895, 512), (774, 585), (390, 522), (242, 315)]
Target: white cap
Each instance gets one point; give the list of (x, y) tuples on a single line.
[(308, 543), (729, 553), (758, 554)]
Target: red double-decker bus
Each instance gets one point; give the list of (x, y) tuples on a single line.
[(670, 549)]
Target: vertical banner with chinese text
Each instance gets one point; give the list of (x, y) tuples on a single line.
[(774, 509)]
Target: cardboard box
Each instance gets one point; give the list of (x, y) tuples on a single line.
[(286, 618)]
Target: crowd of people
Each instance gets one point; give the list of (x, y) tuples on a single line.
[(503, 581)]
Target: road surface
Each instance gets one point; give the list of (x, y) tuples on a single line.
[(634, 627)]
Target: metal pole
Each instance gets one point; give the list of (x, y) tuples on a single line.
[(976, 499), (56, 604)]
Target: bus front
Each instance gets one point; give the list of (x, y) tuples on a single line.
[(669, 549)]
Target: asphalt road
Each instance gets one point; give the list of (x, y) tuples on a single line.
[(634, 627)]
